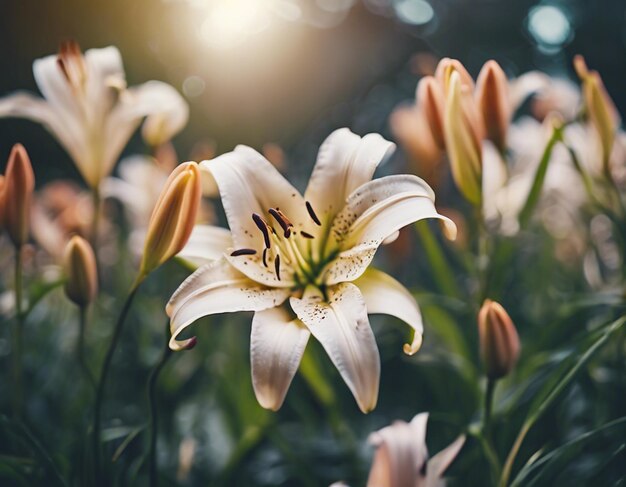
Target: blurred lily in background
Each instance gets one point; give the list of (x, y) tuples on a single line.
[(89, 109), (301, 262), (401, 458)]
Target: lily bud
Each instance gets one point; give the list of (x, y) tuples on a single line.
[(173, 217), (19, 183), (463, 140), (79, 264), (600, 108), (430, 101), (492, 98), (499, 342), (444, 71)]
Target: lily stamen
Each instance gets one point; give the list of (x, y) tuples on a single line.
[(263, 226), (282, 220), (277, 266), (312, 214), (243, 252)]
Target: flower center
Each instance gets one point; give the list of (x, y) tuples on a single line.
[(72, 65), (284, 244)]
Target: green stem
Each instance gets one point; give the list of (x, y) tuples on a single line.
[(482, 256), (80, 347), (18, 336), (491, 387), (117, 332), (563, 383), (95, 224), (152, 403)]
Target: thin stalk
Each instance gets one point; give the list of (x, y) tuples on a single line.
[(152, 403), (491, 387), (485, 437), (563, 383), (18, 337), (95, 223), (117, 332), (80, 346), (482, 257)]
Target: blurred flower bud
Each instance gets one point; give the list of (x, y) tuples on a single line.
[(492, 98), (173, 217), (499, 343), (430, 101), (463, 140), (444, 71), (19, 183), (160, 126), (600, 108), (79, 263)]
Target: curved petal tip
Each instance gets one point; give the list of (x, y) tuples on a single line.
[(413, 347)]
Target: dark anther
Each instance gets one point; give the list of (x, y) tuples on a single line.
[(265, 257), (312, 214), (306, 235), (282, 220), (277, 266), (243, 252), (262, 225)]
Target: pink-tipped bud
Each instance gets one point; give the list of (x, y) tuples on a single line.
[(173, 217), (444, 71), (492, 97), (463, 140), (79, 264), (499, 342), (430, 101), (19, 183), (600, 108)]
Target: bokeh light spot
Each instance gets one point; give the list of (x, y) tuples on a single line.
[(416, 12), (549, 26), (193, 86)]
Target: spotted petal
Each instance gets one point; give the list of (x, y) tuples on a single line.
[(277, 343), (341, 326), (383, 294), (345, 161), (216, 288), (374, 212), (248, 183)]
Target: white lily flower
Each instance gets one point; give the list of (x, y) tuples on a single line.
[(401, 458), (301, 262), (89, 109)]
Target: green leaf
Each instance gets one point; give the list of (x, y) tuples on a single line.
[(540, 176), (557, 459)]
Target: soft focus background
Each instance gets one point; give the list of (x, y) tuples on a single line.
[(288, 72)]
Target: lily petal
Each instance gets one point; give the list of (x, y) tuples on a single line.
[(440, 462), (248, 183), (401, 452), (383, 294), (277, 343), (152, 98), (216, 288), (206, 243), (345, 161), (374, 212), (61, 126), (341, 326)]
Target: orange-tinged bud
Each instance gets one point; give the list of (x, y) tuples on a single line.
[(19, 183), (444, 71), (430, 101), (173, 217), (79, 264), (463, 140), (492, 98), (499, 343)]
